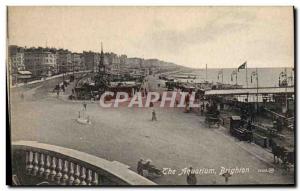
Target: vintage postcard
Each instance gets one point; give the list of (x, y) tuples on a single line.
[(151, 96)]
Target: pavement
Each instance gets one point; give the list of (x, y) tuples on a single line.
[(176, 141)]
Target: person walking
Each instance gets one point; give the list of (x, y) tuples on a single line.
[(226, 176), (154, 115), (84, 106), (140, 167), (191, 177)]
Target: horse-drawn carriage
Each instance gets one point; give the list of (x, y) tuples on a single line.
[(283, 155)]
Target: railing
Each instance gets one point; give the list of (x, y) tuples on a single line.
[(36, 163), (47, 78), (290, 122)]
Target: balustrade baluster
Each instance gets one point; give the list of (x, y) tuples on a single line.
[(89, 177), (53, 167), (42, 163), (48, 165), (65, 171), (77, 174), (83, 176), (36, 164), (59, 169), (95, 179), (29, 165), (71, 180)]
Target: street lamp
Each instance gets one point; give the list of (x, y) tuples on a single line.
[(283, 79), (220, 73), (255, 74), (284, 82)]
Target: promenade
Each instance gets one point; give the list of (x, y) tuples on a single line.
[(176, 141)]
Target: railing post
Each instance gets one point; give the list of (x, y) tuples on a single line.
[(71, 180), (83, 176), (53, 167), (77, 174), (36, 164), (59, 169), (29, 166), (65, 171), (95, 179), (89, 177), (42, 163)]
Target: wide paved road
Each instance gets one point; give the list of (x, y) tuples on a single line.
[(177, 140)]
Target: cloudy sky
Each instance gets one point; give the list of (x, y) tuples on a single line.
[(191, 36)]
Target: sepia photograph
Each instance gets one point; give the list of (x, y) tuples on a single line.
[(151, 96)]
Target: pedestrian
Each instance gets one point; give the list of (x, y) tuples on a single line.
[(84, 106), (140, 167), (154, 115), (176, 102), (201, 111), (226, 175), (191, 177), (207, 107), (250, 133), (151, 104)]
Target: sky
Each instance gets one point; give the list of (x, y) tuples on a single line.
[(221, 37)]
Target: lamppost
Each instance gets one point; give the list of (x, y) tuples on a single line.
[(284, 82), (64, 68), (220, 73), (73, 68), (282, 79), (255, 74), (292, 77)]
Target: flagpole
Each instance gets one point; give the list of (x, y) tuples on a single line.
[(206, 72), (246, 75), (256, 90), (222, 76), (236, 75)]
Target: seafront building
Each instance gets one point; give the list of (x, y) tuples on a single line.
[(51, 61), (40, 62), (16, 59)]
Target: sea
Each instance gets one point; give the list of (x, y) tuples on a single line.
[(267, 77)]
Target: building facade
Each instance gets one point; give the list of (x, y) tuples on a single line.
[(40, 62), (64, 61), (91, 60), (16, 59), (77, 63)]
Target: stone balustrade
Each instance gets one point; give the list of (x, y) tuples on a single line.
[(62, 166)]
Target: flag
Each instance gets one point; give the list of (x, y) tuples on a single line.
[(243, 66), (282, 74)]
